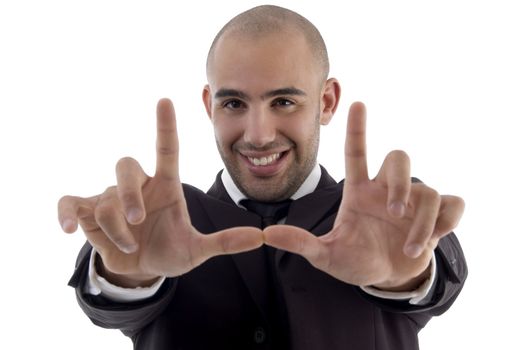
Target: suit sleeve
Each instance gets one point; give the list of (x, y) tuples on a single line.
[(452, 272), (130, 318), (451, 275)]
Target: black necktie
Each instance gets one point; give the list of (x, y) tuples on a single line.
[(270, 212)]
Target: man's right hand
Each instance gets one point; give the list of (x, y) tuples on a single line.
[(141, 227)]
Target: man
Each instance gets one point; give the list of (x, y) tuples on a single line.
[(361, 264)]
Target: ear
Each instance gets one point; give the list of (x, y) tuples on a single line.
[(207, 100), (330, 97)]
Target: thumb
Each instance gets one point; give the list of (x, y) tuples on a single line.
[(230, 241), (295, 240)]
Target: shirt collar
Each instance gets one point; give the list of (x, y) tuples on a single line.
[(308, 186)]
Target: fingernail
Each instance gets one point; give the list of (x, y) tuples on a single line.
[(133, 215), (397, 209), (413, 250), (68, 225), (129, 249)]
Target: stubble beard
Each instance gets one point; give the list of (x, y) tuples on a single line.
[(275, 189)]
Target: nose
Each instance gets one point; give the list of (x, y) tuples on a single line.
[(260, 128)]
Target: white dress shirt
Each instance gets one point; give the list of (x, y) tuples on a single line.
[(97, 284)]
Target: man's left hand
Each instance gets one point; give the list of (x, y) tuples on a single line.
[(386, 229)]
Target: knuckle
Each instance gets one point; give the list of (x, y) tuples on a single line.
[(430, 194), (166, 150), (456, 202), (124, 162), (434, 195), (461, 206), (67, 201), (66, 198), (104, 212), (398, 189), (108, 192), (128, 197), (64, 202), (302, 244), (356, 152), (225, 245), (398, 154), (446, 224)]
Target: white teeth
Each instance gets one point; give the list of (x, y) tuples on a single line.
[(264, 160)]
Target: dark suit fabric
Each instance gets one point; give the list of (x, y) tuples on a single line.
[(226, 303)]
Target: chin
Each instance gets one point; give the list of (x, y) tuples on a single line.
[(265, 192)]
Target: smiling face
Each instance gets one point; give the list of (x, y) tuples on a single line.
[(266, 99)]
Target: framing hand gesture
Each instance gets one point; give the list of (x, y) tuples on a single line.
[(386, 228), (141, 227)]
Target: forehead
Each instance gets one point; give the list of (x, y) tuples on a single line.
[(262, 62)]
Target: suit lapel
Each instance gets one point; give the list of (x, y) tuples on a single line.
[(305, 212), (308, 211), (218, 190)]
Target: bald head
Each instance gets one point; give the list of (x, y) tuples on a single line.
[(262, 21)]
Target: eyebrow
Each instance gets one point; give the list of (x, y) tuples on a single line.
[(290, 91), (221, 93)]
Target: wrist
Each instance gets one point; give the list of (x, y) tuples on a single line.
[(405, 285), (123, 280)]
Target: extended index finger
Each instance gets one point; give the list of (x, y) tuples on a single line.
[(167, 141), (355, 147)]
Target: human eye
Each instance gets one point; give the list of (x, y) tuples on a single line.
[(233, 104), (282, 102)]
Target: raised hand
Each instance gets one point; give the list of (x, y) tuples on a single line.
[(141, 227), (386, 228)]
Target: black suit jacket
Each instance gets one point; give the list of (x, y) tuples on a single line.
[(226, 303)]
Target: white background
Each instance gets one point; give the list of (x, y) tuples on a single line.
[(79, 81)]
